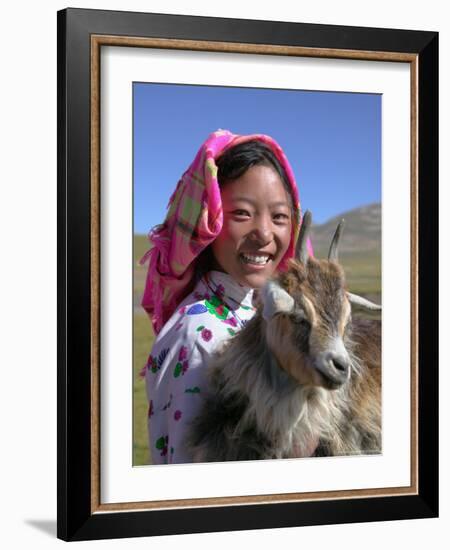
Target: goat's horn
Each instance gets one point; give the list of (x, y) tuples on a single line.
[(363, 304), (301, 252), (333, 253)]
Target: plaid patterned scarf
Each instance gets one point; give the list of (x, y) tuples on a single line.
[(193, 221)]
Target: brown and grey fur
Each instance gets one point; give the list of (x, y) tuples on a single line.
[(273, 393)]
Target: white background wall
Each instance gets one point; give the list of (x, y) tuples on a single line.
[(28, 273)]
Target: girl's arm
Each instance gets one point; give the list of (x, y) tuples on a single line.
[(176, 384)]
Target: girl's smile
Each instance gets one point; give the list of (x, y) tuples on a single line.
[(256, 229)]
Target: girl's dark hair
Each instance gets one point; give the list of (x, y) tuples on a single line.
[(232, 164), (238, 159)]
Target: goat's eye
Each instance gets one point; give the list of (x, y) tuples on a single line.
[(300, 320)]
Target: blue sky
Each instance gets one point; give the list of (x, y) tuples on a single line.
[(332, 140)]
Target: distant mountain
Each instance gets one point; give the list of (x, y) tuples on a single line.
[(361, 233), (359, 247)]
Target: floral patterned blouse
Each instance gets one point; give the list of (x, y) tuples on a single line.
[(176, 368)]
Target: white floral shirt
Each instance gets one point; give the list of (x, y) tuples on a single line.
[(176, 369)]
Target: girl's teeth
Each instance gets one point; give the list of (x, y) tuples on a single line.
[(255, 259)]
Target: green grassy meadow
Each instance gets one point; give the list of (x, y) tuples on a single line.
[(142, 341), (363, 272)]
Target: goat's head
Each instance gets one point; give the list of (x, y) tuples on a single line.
[(307, 310)]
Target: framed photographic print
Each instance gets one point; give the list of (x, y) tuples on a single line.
[(354, 111)]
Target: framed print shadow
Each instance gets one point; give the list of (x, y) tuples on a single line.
[(313, 413)]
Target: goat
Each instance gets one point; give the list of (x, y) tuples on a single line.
[(302, 378)]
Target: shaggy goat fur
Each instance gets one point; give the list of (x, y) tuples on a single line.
[(267, 399)]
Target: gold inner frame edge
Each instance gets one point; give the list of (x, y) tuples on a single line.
[(264, 49)]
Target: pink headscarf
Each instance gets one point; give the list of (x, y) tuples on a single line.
[(193, 221)]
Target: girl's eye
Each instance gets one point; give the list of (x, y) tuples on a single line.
[(281, 217), (241, 213)]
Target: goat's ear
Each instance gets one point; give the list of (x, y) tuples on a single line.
[(364, 306), (275, 300)]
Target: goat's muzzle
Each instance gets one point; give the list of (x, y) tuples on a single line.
[(334, 368)]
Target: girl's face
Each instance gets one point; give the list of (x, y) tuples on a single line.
[(256, 230)]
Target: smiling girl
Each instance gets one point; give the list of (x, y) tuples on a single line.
[(233, 221)]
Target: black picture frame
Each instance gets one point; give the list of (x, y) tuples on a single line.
[(78, 517)]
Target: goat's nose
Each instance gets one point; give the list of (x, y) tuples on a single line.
[(339, 362)]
